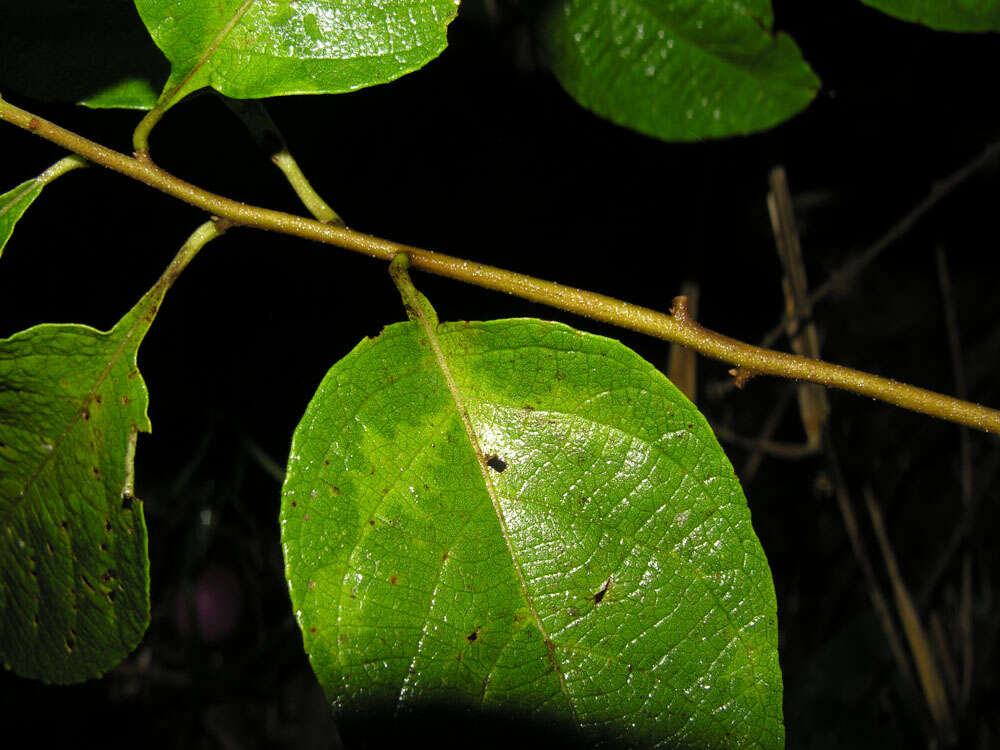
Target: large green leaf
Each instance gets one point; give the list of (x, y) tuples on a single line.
[(949, 15), (680, 70), (15, 202), (521, 518), (255, 48), (74, 573), (92, 52)]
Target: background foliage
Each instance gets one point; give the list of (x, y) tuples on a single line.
[(260, 318)]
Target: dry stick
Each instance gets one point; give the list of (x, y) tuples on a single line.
[(878, 599), (683, 364), (853, 266), (765, 439), (965, 528), (923, 655), (813, 405), (947, 665), (677, 327), (965, 631), (964, 614)]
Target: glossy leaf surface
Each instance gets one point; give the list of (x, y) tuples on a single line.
[(92, 52), (681, 70), (74, 572), (247, 49), (947, 15), (520, 518), (13, 204)]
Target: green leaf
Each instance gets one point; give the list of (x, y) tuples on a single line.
[(520, 518), (15, 202), (680, 70), (74, 572), (246, 49), (96, 53), (946, 15)]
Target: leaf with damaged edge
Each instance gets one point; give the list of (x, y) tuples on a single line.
[(246, 49), (946, 15), (518, 518), (74, 571), (679, 71)]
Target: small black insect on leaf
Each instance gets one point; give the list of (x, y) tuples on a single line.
[(496, 463)]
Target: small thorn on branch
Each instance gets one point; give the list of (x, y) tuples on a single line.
[(741, 375)]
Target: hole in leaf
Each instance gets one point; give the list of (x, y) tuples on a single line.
[(496, 463), (599, 596), (127, 501), (471, 637)]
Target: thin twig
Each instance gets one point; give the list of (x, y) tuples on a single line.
[(813, 406), (964, 614), (682, 368), (920, 647), (747, 358), (269, 139), (854, 265), (875, 594)]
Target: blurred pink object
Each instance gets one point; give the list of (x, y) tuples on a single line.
[(218, 600)]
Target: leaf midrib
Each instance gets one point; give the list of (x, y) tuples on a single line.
[(24, 189), (211, 49), (456, 395)]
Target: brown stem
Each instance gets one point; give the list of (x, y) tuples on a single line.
[(588, 304)]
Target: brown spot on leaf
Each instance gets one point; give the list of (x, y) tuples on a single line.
[(312, 585), (392, 580)]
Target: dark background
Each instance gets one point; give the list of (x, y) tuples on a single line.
[(482, 155)]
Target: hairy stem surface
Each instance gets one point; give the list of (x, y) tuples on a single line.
[(678, 327)]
